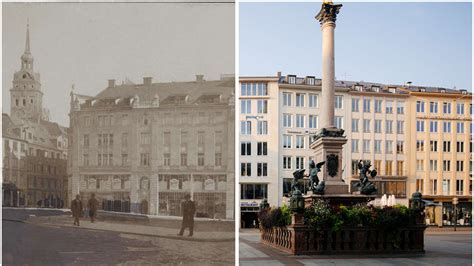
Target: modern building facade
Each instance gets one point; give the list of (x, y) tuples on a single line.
[(143, 147), (285, 114), (34, 148)]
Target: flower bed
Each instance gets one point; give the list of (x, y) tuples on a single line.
[(344, 230)]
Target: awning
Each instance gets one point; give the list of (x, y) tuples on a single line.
[(431, 203)]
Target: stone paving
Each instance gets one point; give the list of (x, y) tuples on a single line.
[(442, 246)]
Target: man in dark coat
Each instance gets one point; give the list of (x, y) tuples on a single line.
[(76, 209), (93, 205), (188, 209)]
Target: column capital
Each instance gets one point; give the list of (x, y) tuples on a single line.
[(328, 13)]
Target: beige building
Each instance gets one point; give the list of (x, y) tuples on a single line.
[(143, 147), (286, 114), (440, 164)]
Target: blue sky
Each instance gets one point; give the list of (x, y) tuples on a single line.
[(426, 43)]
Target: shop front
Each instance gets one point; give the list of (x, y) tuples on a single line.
[(249, 214), (440, 210)]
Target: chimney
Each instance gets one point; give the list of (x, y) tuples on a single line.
[(279, 74), (111, 83), (199, 77), (147, 81)]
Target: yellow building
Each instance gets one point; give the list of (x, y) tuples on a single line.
[(440, 147)]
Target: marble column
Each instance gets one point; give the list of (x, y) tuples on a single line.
[(327, 18)]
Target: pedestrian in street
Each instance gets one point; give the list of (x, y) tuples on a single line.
[(93, 205), (76, 209), (188, 208)]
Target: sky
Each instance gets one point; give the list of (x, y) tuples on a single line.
[(87, 44), (428, 44)]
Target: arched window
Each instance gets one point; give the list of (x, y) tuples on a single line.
[(144, 183), (24, 102), (17, 102)]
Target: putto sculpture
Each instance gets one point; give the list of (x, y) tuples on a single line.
[(316, 185), (296, 184), (365, 186)]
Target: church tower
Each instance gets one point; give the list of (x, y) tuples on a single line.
[(26, 98)]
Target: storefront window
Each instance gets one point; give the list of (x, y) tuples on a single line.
[(463, 217)]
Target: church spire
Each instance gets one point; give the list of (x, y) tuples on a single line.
[(27, 43), (27, 58)]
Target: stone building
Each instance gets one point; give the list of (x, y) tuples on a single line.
[(143, 147), (279, 114), (34, 149)]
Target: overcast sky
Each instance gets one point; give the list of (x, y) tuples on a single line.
[(87, 44), (426, 43)]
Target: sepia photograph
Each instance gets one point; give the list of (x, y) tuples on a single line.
[(118, 133)]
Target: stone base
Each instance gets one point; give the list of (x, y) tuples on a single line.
[(337, 200), (297, 219)]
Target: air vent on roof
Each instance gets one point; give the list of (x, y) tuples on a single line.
[(442, 90)]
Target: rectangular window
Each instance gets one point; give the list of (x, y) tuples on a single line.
[(300, 100), (145, 138), (447, 127), (378, 126), (389, 107), (355, 125), (400, 108), (434, 126), (433, 165), (400, 129), (420, 106), (286, 120), (446, 165), (145, 159), (253, 191), (300, 121), (377, 165), (400, 147), (446, 146), (200, 159), (459, 166), (245, 148), (420, 126), (419, 184), (300, 142), (446, 108), (378, 106), (124, 159), (184, 159), (399, 168), (338, 102), (366, 106), (388, 126), (419, 165), (355, 105), (388, 167), (287, 162), (433, 107), (86, 141), (388, 147), (261, 148), (355, 145), (434, 145), (338, 122), (366, 125), (85, 160), (446, 186), (366, 146), (286, 99), (245, 169), (434, 186), (262, 89), (245, 106), (459, 187), (377, 146), (313, 100), (459, 146), (420, 145), (218, 159), (313, 121), (287, 141), (460, 127), (262, 106), (261, 169), (299, 162), (245, 127), (166, 159), (262, 128)]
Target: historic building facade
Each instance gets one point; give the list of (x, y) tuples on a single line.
[(286, 113), (142, 148), (34, 149)]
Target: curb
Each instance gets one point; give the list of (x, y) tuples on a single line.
[(140, 234), (13, 220)]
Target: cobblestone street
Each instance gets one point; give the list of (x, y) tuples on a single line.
[(26, 243)]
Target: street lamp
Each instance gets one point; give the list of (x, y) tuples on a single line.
[(455, 203)]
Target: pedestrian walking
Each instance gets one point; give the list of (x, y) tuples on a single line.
[(188, 208), (93, 205), (76, 209)]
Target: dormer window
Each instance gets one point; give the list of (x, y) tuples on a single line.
[(442, 91), (392, 90), (291, 79), (422, 90), (358, 87), (376, 88), (310, 81), (464, 91)]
